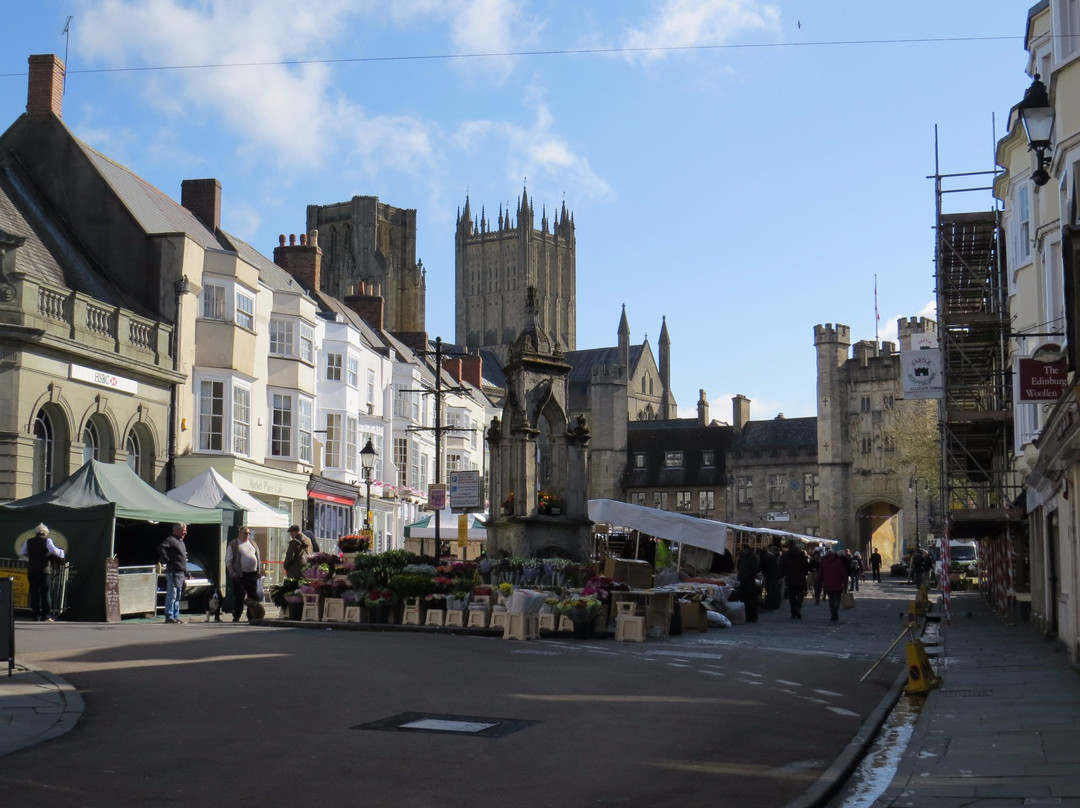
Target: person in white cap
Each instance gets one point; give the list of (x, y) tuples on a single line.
[(39, 550)]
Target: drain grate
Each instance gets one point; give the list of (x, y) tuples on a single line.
[(473, 726), (966, 693)]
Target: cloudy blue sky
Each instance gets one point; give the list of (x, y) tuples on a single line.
[(743, 168)]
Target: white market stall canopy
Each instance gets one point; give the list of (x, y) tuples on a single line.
[(677, 527), (448, 526), (212, 490)]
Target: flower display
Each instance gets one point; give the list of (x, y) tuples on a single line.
[(380, 597), (580, 608)]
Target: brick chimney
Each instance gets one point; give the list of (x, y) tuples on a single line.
[(45, 91), (416, 340), (371, 308), (740, 412), (472, 370), (303, 261), (203, 198), (453, 367)]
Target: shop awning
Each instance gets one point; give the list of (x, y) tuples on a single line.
[(211, 489)]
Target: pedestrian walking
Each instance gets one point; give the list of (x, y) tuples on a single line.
[(296, 553), (855, 567), (770, 574), (834, 580), (813, 578), (920, 565), (748, 568), (875, 565), (40, 552), (172, 553), (245, 569), (794, 565)]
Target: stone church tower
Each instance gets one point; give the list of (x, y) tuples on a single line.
[(370, 249), (496, 263)]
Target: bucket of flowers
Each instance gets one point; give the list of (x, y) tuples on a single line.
[(379, 603), (581, 609), (287, 596)]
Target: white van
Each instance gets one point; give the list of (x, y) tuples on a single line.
[(964, 553)]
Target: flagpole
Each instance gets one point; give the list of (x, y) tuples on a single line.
[(877, 315)]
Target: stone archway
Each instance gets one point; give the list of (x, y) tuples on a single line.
[(879, 527)]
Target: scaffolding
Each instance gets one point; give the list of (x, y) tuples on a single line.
[(979, 487)]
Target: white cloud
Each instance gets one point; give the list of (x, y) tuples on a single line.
[(686, 23)]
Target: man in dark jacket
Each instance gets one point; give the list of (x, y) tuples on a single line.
[(770, 572), (748, 569), (794, 565), (39, 551), (173, 555)]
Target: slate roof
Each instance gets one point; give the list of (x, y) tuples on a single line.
[(778, 433), (155, 211), (48, 253), (686, 435), (582, 362)]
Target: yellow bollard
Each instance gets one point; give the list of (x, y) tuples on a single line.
[(921, 677)]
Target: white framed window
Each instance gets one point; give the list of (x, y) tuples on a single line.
[(420, 473), (708, 459), (660, 499), (453, 463), (370, 386), (241, 426), (683, 500), (333, 367), (305, 439), (307, 343), (351, 433), (352, 372), (401, 460), (744, 490), (1066, 26), (706, 501), (638, 498), (245, 310), (211, 416), (777, 484), (810, 486), (1023, 223), (1054, 290), (1027, 423), (673, 460), (281, 425), (474, 434), (332, 448), (281, 337), (640, 459), (213, 301)]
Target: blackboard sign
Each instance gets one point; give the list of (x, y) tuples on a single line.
[(112, 590), (7, 622)]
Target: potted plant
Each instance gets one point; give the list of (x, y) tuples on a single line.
[(287, 595)]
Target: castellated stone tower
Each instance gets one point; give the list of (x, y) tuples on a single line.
[(370, 248), (832, 344), (916, 332), (496, 263)]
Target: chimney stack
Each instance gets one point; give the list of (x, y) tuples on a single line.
[(203, 198), (371, 308), (303, 261), (702, 409), (472, 370), (740, 412), (45, 90)]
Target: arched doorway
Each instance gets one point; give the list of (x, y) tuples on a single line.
[(879, 528)]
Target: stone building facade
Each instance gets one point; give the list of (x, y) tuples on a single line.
[(369, 247), (496, 265)]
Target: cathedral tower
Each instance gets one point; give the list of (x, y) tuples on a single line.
[(496, 263), (366, 243)]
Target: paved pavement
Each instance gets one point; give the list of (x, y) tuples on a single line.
[(1003, 730)]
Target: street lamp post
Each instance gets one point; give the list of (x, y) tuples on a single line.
[(367, 462), (913, 485), (1037, 115)]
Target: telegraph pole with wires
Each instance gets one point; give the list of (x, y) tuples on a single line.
[(438, 429), (66, 34)]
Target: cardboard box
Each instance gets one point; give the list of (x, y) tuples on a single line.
[(693, 616), (636, 574)]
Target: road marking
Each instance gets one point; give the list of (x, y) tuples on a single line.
[(841, 711), (617, 699), (828, 692)]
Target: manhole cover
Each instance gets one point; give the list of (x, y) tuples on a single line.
[(473, 726)]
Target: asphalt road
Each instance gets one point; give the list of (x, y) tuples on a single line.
[(214, 713)]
